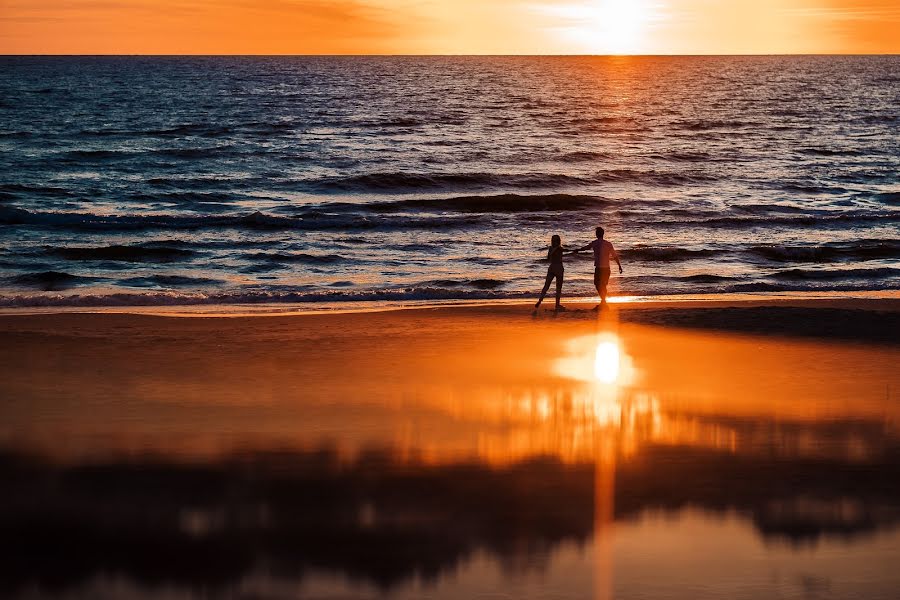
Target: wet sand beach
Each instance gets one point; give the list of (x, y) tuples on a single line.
[(739, 449)]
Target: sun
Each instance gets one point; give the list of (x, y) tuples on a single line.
[(608, 26), (621, 24)]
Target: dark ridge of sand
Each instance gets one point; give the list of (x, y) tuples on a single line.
[(874, 320), (855, 325)]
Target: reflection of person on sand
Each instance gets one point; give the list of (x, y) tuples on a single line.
[(554, 271), (603, 252)]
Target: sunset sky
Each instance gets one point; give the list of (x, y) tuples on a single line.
[(449, 26)]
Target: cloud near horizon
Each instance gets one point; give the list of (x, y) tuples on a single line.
[(443, 27)]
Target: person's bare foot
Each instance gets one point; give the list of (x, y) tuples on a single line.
[(560, 309)]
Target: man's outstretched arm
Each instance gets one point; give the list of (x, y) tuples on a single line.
[(616, 257)]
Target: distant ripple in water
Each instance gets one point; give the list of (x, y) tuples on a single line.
[(222, 180)]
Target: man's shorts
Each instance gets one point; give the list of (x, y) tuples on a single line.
[(601, 278)]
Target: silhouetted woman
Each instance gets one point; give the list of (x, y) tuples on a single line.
[(554, 271)]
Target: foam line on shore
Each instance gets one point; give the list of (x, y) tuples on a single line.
[(886, 300)]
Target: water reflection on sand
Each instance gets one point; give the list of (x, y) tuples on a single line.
[(604, 475)]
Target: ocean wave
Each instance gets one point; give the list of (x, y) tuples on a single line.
[(688, 157), (583, 156), (836, 274), (183, 130), (666, 253), (268, 127), (405, 182), (398, 181), (829, 252), (54, 287), (830, 152), (498, 203), (135, 253), (809, 188), (179, 298), (50, 280), (654, 177), (183, 197), (389, 216), (214, 151), (168, 281), (415, 248), (394, 123), (487, 284), (77, 156), (878, 119), (190, 129), (300, 257), (502, 203), (478, 284), (91, 156), (604, 123), (261, 268), (704, 125), (761, 208), (886, 175), (846, 218), (309, 221), (831, 286), (89, 221), (39, 190), (708, 278), (892, 198)]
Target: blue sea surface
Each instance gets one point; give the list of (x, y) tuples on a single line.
[(152, 180)]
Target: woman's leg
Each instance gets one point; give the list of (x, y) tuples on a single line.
[(544, 291), (559, 282)]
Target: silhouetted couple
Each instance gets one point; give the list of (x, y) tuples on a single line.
[(603, 253)]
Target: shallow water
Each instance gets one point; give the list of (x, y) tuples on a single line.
[(465, 457), (225, 180)]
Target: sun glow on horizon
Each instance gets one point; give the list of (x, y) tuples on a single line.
[(527, 27), (607, 26)]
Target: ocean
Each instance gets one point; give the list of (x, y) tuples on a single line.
[(229, 180)]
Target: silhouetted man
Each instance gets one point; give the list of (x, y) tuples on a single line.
[(603, 252)]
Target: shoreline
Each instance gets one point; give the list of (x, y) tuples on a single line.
[(871, 319), (880, 300)]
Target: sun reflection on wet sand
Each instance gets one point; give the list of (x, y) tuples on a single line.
[(606, 370), (606, 362), (584, 426), (609, 411)]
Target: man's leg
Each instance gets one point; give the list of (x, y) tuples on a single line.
[(597, 285), (604, 282)]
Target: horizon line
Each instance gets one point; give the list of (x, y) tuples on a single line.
[(461, 55)]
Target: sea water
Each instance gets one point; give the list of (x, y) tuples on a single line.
[(166, 180)]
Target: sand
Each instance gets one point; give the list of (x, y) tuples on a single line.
[(437, 451), (491, 381)]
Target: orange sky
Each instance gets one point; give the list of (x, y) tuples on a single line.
[(449, 26)]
